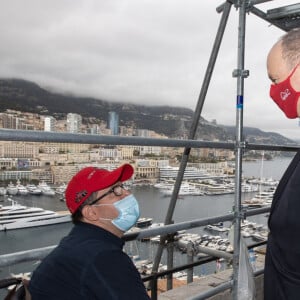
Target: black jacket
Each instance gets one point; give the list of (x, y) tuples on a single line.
[(87, 264), (282, 265)]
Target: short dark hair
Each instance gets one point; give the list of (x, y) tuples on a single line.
[(77, 215), (290, 43)]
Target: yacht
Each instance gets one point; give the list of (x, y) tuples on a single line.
[(11, 189), (169, 172), (46, 189), (18, 216), (60, 190), (33, 189), (2, 191), (144, 222), (185, 189)]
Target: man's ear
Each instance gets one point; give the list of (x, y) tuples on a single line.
[(89, 213)]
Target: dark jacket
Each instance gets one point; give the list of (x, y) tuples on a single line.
[(87, 264), (282, 265)]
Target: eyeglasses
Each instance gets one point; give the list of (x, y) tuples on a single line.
[(117, 190)]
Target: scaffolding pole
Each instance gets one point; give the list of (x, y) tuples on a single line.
[(193, 130), (240, 74)]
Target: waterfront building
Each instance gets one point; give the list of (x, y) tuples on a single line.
[(189, 173), (216, 169), (113, 122), (49, 123), (19, 149), (146, 172), (15, 175), (50, 159), (143, 150), (126, 152), (64, 147), (63, 173), (152, 163), (42, 175), (78, 157), (111, 153), (73, 122)]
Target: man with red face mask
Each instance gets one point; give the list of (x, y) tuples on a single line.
[(282, 265)]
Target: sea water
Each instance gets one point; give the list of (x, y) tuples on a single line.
[(152, 203)]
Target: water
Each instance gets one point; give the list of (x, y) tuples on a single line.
[(152, 204)]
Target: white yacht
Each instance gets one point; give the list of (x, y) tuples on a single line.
[(185, 189), (46, 189), (2, 191), (60, 190), (18, 216), (11, 189), (33, 189)]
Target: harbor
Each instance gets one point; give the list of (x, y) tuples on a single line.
[(153, 205)]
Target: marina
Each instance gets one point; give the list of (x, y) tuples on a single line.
[(153, 206)]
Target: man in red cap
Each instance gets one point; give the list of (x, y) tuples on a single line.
[(282, 265), (89, 262)]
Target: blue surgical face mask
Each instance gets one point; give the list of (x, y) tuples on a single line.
[(129, 212)]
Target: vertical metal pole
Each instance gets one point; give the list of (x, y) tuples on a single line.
[(170, 257), (190, 259), (192, 133), (240, 73)]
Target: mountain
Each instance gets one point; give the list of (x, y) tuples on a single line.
[(26, 96)]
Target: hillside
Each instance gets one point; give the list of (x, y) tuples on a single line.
[(175, 122)]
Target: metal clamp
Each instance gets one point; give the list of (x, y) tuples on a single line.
[(240, 73)]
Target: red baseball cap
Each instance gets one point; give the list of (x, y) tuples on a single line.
[(91, 179)]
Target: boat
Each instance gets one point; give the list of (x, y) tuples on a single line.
[(185, 189), (33, 189), (190, 173), (60, 190), (11, 189), (144, 222), (22, 190), (18, 216), (211, 187), (216, 227), (2, 191), (46, 189)]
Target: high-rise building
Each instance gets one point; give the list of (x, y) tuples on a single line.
[(113, 122), (73, 122), (49, 124)]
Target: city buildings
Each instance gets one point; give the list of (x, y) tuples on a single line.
[(113, 122), (74, 123), (49, 123), (56, 163)]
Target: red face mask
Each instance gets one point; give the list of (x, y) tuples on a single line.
[(285, 96)]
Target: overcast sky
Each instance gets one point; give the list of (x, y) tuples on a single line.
[(142, 51)]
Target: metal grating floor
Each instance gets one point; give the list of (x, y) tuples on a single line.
[(288, 17)]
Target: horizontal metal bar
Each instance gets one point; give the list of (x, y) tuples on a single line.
[(215, 290), (172, 228), (272, 147), (42, 136), (176, 269), (215, 253), (40, 253), (58, 137), (263, 16), (220, 288), (24, 256)]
